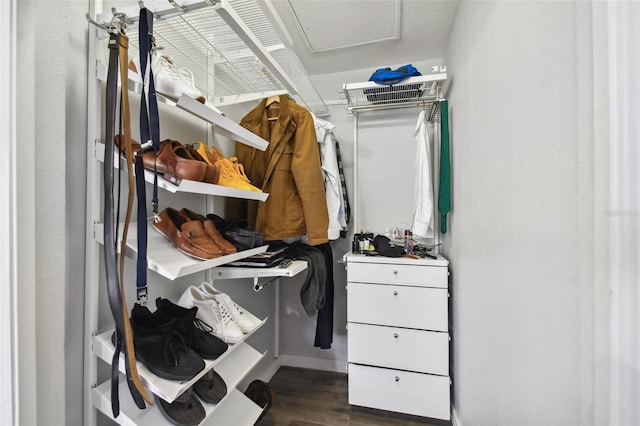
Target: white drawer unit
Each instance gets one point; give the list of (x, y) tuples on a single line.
[(398, 335)]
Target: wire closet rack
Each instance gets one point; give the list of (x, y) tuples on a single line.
[(423, 91), (233, 49)]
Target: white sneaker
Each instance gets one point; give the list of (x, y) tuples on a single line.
[(213, 313), (245, 320), (171, 81)]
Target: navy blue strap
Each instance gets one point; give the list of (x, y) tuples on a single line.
[(150, 138)]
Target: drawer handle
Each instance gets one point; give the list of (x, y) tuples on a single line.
[(395, 272), (395, 293), (397, 379), (395, 335)]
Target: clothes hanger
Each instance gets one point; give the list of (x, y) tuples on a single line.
[(271, 101)]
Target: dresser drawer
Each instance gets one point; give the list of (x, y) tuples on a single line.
[(411, 275), (398, 306), (401, 391), (401, 348)]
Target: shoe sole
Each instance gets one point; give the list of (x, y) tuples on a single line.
[(164, 374)]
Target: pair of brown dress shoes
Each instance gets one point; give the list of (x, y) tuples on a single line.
[(176, 161), (193, 234)]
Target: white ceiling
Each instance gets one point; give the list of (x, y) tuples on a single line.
[(340, 35)]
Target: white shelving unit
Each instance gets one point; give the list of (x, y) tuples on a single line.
[(426, 91), (399, 301), (232, 55)]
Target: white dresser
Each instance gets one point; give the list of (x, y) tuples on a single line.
[(398, 334)]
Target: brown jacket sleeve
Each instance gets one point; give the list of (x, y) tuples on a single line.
[(307, 174)]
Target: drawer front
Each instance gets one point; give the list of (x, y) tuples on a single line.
[(398, 306), (401, 348), (400, 391), (412, 275)]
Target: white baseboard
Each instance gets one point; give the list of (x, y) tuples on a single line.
[(323, 364), (270, 371), (455, 421)]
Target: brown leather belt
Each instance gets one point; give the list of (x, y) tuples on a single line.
[(118, 47)]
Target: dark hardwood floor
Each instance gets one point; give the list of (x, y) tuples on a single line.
[(319, 398)]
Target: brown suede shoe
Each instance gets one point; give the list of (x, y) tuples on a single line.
[(187, 235), (175, 162), (212, 231)]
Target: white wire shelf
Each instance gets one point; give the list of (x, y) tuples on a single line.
[(165, 259), (229, 45), (235, 408), (420, 90)]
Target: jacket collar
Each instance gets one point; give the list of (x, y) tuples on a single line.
[(257, 122)]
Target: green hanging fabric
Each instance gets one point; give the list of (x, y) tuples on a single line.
[(444, 189)]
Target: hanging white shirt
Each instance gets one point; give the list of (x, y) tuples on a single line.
[(330, 173), (423, 221)]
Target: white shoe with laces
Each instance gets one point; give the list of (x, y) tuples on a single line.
[(173, 81), (245, 319), (214, 313)]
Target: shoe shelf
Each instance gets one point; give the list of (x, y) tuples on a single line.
[(225, 125), (165, 259), (243, 360), (188, 186), (228, 272), (234, 409)]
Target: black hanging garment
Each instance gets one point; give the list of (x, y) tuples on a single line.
[(324, 322), (316, 293)]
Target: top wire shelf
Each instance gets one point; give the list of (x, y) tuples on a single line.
[(423, 90), (231, 47)]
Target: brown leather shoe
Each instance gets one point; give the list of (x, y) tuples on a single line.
[(212, 231), (187, 235), (175, 162)]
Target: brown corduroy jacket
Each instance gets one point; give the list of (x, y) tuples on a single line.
[(289, 170)]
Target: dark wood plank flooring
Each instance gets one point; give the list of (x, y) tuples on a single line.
[(319, 398)]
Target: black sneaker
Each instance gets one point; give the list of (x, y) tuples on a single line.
[(210, 388), (196, 333), (160, 348), (185, 410)]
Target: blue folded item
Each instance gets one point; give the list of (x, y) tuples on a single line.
[(388, 77)]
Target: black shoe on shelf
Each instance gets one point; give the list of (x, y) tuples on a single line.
[(210, 388), (237, 233), (196, 333), (185, 410), (160, 348)]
